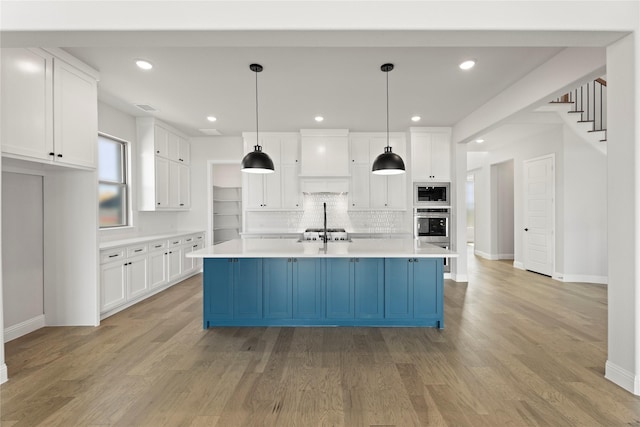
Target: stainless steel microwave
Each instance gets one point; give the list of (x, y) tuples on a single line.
[(431, 194)]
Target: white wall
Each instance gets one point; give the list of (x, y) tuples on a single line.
[(115, 123), (549, 141), (227, 175), (581, 200)]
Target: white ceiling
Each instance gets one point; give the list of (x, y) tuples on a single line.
[(343, 84)]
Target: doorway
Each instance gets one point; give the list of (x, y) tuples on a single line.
[(225, 207), (22, 253), (539, 218)]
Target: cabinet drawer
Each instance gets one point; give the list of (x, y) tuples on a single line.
[(175, 242), (199, 237), (112, 255), (189, 239), (136, 250), (158, 245)]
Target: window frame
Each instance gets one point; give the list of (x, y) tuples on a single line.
[(124, 184)]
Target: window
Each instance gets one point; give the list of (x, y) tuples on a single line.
[(112, 185)]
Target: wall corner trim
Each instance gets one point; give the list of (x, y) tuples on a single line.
[(4, 375), (519, 265), (459, 277), (620, 376)]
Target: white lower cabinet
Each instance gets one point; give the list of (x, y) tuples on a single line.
[(131, 273)]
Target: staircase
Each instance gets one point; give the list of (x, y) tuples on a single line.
[(585, 111)]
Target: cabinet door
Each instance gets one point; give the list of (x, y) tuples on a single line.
[(218, 289), (307, 288), (378, 191), (398, 290), (184, 193), (290, 150), (421, 156), (273, 190), (112, 285), (247, 295), (75, 115), (339, 288), (397, 191), (173, 147), (137, 277), (175, 263), (369, 288), (359, 150), (277, 288), (161, 141), (187, 263), (174, 184), (426, 285), (26, 103), (440, 157), (359, 190), (157, 269), (254, 188), (291, 195), (184, 151), (162, 182), (197, 262)]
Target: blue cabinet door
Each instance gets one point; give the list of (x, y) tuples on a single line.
[(398, 276), (247, 296), (427, 287), (339, 288), (307, 288), (218, 289), (277, 288), (368, 276)]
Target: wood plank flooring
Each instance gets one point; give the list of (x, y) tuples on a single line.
[(518, 349)]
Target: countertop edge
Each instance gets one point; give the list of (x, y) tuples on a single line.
[(144, 239)]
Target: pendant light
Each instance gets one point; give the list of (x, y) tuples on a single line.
[(388, 163), (257, 161)]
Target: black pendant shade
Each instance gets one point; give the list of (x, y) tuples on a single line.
[(257, 161), (388, 163)]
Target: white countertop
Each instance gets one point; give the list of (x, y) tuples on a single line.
[(358, 248), (146, 238)]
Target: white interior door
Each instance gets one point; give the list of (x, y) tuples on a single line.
[(22, 248), (539, 221)]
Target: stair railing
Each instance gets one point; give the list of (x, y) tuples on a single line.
[(590, 101)]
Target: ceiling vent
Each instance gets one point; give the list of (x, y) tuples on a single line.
[(146, 107), (210, 132)]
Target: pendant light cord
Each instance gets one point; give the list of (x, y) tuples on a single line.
[(387, 73), (257, 139)]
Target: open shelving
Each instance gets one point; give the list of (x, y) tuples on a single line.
[(227, 213)]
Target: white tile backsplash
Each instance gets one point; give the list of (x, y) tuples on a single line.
[(338, 216)]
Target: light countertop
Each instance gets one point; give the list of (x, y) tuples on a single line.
[(146, 238), (358, 248)]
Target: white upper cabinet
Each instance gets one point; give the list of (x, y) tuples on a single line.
[(324, 152), (431, 154), (279, 190), (370, 191), (49, 107), (164, 172)]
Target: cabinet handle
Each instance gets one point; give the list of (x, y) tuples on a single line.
[(415, 260), (175, 243), (295, 260), (157, 246), (157, 151), (195, 246), (158, 203), (289, 260), (181, 204), (166, 253), (410, 260), (59, 155), (113, 256), (230, 260), (138, 250), (170, 252), (52, 154)]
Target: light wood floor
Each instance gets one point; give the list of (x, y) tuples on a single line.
[(518, 349)]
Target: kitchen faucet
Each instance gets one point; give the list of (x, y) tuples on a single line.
[(324, 205)]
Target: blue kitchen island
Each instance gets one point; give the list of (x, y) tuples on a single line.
[(283, 282)]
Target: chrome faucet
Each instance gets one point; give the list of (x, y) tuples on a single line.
[(325, 238)]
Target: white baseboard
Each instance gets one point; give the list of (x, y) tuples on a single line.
[(505, 256), (459, 277), (620, 376), (518, 265), (4, 375), (485, 255), (580, 278), (24, 328)]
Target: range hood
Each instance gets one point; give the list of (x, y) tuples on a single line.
[(324, 153)]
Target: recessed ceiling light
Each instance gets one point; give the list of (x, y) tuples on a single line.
[(318, 118), (211, 118), (479, 141), (145, 65), (467, 65), (415, 118)]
